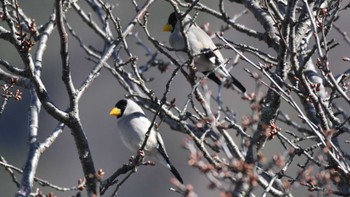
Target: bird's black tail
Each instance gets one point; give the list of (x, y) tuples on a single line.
[(233, 81), (166, 162), (238, 84), (175, 173)]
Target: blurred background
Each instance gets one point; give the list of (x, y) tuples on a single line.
[(60, 164)]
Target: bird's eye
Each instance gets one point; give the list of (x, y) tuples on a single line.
[(172, 19), (121, 104)]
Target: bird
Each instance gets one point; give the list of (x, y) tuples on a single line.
[(133, 124), (207, 57)]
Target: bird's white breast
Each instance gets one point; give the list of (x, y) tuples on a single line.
[(132, 130)]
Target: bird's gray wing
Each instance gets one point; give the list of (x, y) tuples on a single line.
[(200, 42)]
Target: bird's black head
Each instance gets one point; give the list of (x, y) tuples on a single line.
[(121, 105), (172, 20)]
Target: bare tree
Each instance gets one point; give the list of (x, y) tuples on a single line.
[(297, 99)]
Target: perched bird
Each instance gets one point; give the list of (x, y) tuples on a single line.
[(133, 125), (206, 55)]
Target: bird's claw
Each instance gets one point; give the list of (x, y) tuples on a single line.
[(141, 153)]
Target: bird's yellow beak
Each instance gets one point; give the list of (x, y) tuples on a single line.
[(115, 112), (167, 28)]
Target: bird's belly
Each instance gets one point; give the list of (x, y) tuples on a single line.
[(203, 64), (134, 140), (131, 139)]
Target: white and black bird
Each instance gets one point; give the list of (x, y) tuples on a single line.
[(132, 126), (207, 57)]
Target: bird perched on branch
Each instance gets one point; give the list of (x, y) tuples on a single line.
[(207, 57), (133, 125)]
